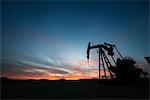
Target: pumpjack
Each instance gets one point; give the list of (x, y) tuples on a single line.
[(124, 68)]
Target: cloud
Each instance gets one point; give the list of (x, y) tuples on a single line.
[(32, 67), (11, 70), (44, 61), (35, 72)]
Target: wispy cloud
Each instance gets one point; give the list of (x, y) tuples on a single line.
[(11, 70), (22, 66)]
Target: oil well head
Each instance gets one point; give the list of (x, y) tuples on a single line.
[(88, 50)]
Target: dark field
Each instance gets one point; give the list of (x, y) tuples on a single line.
[(36, 89)]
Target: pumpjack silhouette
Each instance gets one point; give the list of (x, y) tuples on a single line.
[(124, 68)]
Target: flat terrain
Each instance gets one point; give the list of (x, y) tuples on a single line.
[(34, 89)]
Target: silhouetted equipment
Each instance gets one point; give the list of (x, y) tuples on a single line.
[(147, 59), (103, 59), (124, 68)]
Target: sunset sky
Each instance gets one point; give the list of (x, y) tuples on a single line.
[(49, 39)]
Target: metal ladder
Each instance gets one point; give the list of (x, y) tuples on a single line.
[(108, 64)]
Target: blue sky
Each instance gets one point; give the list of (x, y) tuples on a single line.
[(56, 34)]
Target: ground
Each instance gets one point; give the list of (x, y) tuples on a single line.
[(34, 89)]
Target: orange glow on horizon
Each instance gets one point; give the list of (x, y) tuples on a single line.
[(93, 74)]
